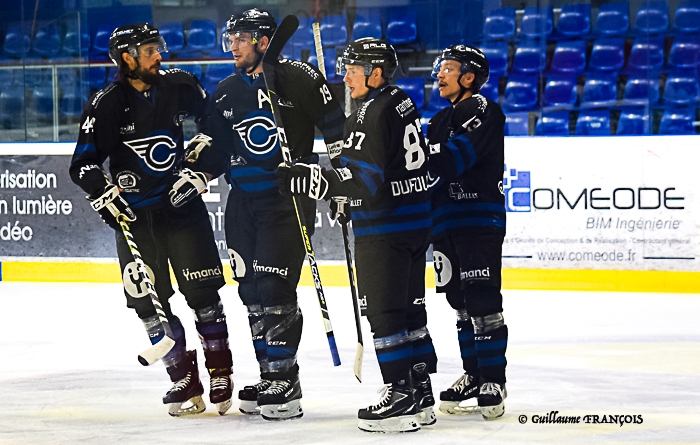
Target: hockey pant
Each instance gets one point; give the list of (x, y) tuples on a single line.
[(182, 238), (468, 271), (266, 253), (391, 278)]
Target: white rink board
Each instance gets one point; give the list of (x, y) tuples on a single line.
[(624, 203)]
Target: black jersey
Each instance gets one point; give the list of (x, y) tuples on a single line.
[(466, 151), (245, 145), (141, 134), (384, 167)]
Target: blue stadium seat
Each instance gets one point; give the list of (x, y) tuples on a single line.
[(111, 74), (218, 72), (32, 77), (684, 53), (328, 62), (530, 57), (173, 35), (687, 17), (633, 121), (7, 78), (569, 56), (599, 90), (100, 44), (202, 36), (97, 77), (517, 124), (677, 121), (42, 101), (72, 102), (607, 54), (574, 20), (560, 90), (16, 41), (76, 42), (682, 88), (520, 92), (367, 24), (593, 123), (401, 27), (500, 24), (553, 123), (11, 107), (652, 18), (642, 88), (536, 22), (47, 41), (67, 77), (497, 55), (194, 69), (435, 102), (415, 88), (333, 31), (647, 54), (613, 19), (490, 88)]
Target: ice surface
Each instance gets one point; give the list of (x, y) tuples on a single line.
[(69, 374)]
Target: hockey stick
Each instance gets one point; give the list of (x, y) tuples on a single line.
[(160, 349), (283, 33), (360, 351)]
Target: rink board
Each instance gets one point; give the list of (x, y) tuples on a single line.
[(336, 274)]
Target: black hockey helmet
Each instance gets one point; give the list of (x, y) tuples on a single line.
[(128, 38), (369, 53), (258, 23), (472, 60)]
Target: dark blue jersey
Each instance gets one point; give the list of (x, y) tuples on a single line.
[(141, 134), (466, 150), (383, 167), (245, 146)]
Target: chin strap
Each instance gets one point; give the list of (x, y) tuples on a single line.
[(462, 90)]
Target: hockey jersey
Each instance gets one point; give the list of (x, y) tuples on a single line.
[(466, 145), (141, 134), (245, 140), (383, 167)]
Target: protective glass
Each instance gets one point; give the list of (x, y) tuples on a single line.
[(341, 62), (160, 47), (242, 39)]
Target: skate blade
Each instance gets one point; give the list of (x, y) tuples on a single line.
[(426, 416), (223, 407), (493, 412), (249, 407), (196, 406), (286, 411), (459, 408), (400, 424)]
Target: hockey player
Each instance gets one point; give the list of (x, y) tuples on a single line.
[(136, 122), (383, 169), (262, 231), (469, 222)]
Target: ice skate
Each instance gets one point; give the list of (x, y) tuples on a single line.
[(280, 401), (249, 396), (458, 399), (424, 395), (491, 400), (185, 397), (220, 391), (396, 412)]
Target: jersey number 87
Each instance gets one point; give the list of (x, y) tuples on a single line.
[(411, 143)]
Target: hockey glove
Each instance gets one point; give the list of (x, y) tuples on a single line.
[(198, 143), (112, 207), (302, 179), (188, 186), (340, 209)]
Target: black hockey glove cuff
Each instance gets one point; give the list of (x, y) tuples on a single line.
[(112, 207), (188, 186), (302, 179)]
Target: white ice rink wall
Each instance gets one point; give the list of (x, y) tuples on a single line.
[(595, 213)]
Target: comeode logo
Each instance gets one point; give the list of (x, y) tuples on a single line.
[(516, 188)]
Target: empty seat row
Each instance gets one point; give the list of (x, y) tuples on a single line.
[(613, 19), (631, 121), (50, 40)]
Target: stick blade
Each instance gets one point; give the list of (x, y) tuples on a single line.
[(357, 367), (157, 351), (280, 38)]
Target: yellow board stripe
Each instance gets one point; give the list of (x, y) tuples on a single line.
[(337, 275)]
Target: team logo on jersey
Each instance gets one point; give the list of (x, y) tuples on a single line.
[(258, 133), (180, 117), (443, 268), (158, 152), (134, 283), (516, 188)]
